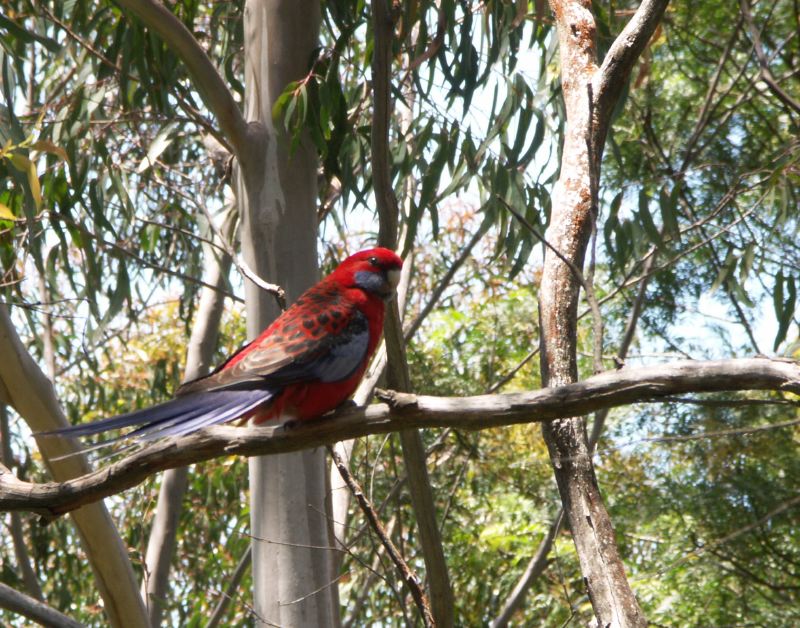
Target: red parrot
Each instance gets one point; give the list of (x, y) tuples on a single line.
[(306, 363)]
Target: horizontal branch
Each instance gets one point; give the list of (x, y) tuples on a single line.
[(403, 411)]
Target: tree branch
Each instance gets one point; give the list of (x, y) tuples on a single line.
[(385, 198), (15, 525), (535, 568), (33, 609), (404, 411), (608, 82), (763, 62), (225, 598), (590, 93), (199, 356), (26, 388), (539, 562), (407, 575), (419, 486), (206, 79), (444, 283)]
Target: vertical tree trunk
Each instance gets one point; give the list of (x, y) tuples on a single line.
[(292, 575), (164, 530), (397, 376), (590, 93)]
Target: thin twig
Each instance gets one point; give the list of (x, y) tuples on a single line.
[(443, 284), (536, 566), (407, 575), (524, 222), (739, 431), (131, 254), (436, 44), (588, 289), (790, 503), (233, 584), (510, 375), (241, 264), (766, 73)]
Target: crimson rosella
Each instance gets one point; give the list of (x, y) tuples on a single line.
[(307, 362)]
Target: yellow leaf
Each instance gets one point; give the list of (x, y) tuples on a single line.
[(20, 162), (6, 213), (33, 181), (48, 147)]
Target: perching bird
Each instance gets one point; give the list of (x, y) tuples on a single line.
[(307, 362)]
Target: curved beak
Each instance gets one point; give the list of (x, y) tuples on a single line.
[(393, 277)]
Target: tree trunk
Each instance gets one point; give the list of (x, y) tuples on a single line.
[(590, 93), (164, 530), (292, 574), (397, 376)]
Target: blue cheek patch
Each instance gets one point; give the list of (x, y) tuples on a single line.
[(371, 282)]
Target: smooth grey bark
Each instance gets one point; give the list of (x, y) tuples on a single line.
[(164, 529), (277, 199), (292, 575)]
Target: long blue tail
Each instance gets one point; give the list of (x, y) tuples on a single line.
[(182, 415)]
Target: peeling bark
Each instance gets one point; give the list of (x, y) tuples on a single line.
[(590, 92)]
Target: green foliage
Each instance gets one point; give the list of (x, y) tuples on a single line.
[(108, 189)]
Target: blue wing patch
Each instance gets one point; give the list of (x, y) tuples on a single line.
[(347, 355), (336, 358)]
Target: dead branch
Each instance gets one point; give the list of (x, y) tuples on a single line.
[(406, 573), (399, 412)]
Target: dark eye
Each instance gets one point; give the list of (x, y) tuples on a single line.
[(374, 261)]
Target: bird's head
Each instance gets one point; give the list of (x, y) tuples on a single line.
[(376, 271)]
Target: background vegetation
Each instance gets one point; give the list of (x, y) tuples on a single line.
[(116, 186)]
